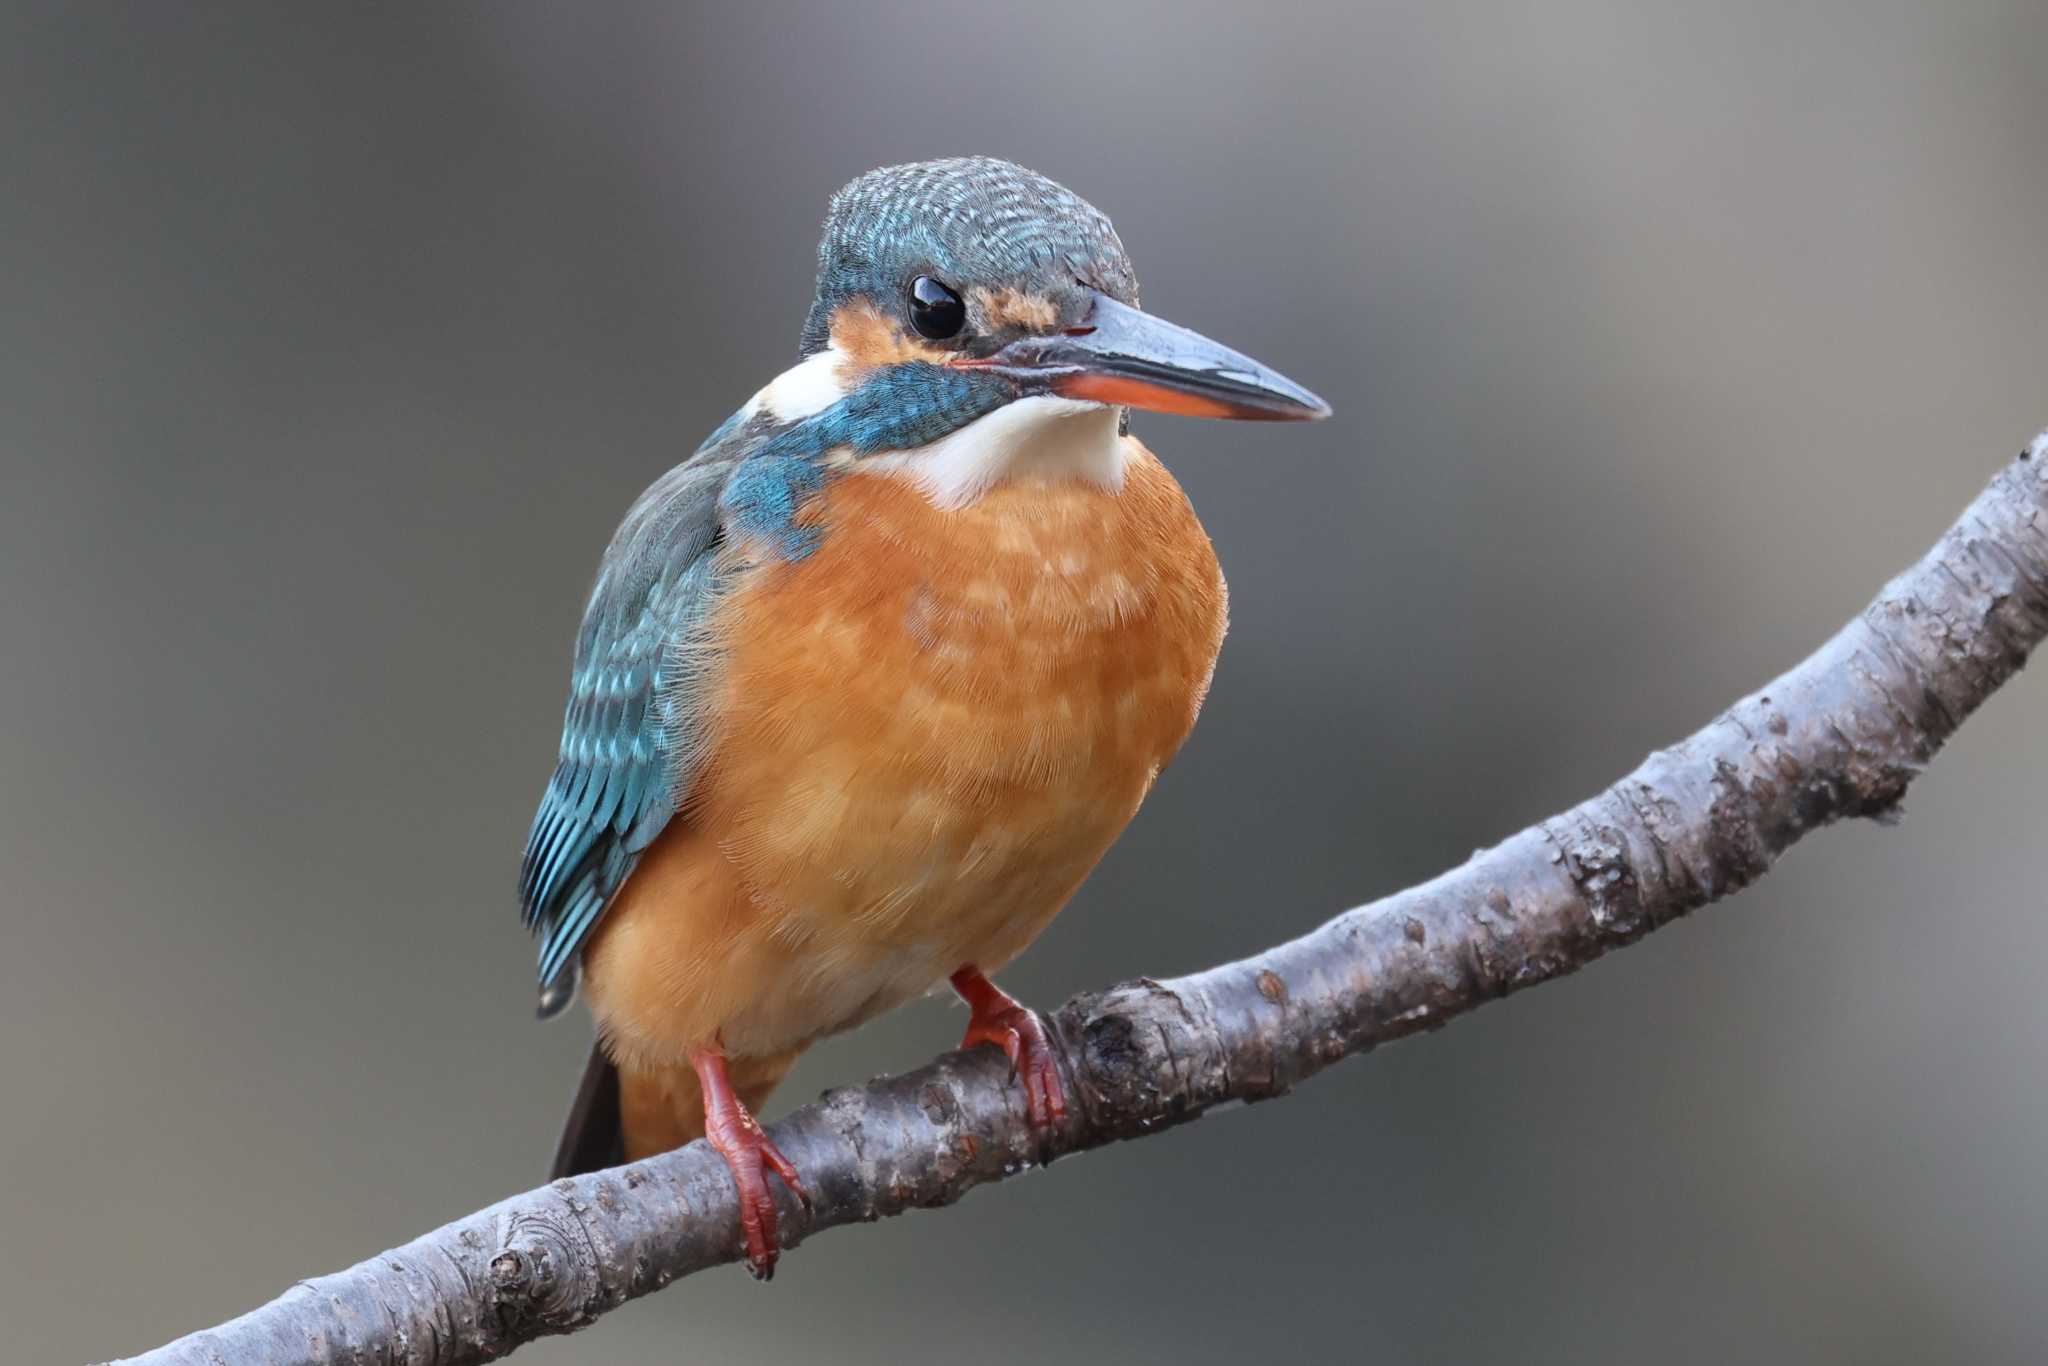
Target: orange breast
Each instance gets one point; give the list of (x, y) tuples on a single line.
[(921, 738)]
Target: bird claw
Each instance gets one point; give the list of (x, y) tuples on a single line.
[(750, 1155), (1021, 1035)]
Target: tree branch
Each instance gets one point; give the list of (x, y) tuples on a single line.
[(1840, 735)]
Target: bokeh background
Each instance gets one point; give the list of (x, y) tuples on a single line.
[(337, 338)]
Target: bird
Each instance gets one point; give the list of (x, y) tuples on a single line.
[(868, 684)]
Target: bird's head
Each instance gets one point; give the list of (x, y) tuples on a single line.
[(972, 298)]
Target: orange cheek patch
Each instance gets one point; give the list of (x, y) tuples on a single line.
[(1016, 308), (868, 340)]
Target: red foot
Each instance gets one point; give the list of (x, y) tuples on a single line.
[(998, 1019), (749, 1156)]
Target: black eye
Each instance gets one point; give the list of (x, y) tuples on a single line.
[(935, 311)]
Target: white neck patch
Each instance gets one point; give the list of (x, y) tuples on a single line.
[(804, 390), (1041, 437)]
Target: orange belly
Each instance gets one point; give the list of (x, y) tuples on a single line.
[(921, 737)]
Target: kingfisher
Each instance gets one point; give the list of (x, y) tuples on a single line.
[(872, 680)]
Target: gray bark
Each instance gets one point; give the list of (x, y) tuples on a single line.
[(1840, 735)]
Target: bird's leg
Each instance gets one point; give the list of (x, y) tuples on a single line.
[(998, 1019), (749, 1156)]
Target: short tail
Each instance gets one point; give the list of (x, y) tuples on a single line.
[(619, 1118)]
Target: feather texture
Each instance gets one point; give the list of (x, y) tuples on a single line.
[(625, 734), (924, 734)]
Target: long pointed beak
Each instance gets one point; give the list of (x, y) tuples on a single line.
[(1122, 355)]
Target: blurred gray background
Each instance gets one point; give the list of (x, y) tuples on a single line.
[(337, 339)]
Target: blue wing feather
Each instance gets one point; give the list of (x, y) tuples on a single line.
[(627, 747)]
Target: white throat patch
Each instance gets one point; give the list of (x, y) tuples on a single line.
[(1041, 437), (1038, 437)]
